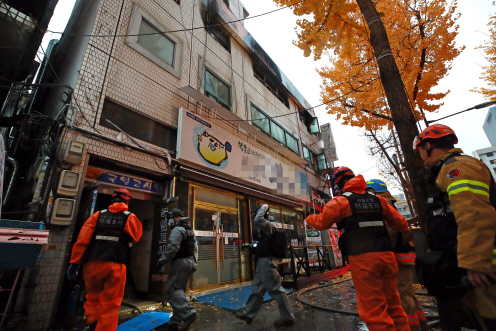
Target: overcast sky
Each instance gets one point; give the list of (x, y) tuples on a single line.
[(275, 33)]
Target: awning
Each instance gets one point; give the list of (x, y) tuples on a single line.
[(232, 186)]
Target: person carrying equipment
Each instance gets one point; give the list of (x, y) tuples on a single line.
[(266, 279), (404, 253), (104, 246), (461, 228), (181, 253), (361, 217)]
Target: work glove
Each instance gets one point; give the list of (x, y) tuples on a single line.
[(72, 271)]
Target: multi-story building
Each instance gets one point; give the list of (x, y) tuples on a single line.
[(489, 126), (488, 156), (176, 101)]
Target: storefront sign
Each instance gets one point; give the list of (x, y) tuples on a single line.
[(329, 145), (205, 143), (124, 180), (318, 199), (212, 234)]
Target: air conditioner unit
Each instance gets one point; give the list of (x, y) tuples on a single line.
[(68, 183), (63, 211)]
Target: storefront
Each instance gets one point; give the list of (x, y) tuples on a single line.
[(220, 183)]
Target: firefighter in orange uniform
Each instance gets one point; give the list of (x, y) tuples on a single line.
[(462, 225), (104, 246), (361, 217), (404, 253)]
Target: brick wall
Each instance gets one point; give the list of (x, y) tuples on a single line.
[(111, 69)]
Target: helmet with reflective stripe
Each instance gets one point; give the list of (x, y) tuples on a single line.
[(122, 193), (434, 131), (341, 171), (377, 185)]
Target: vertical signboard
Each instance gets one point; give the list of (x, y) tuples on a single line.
[(313, 238), (160, 235), (329, 145), (334, 234), (2, 168)]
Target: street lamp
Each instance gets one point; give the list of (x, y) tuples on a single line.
[(479, 106)]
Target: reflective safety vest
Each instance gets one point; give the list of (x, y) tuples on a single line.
[(187, 247), (110, 242), (365, 231)]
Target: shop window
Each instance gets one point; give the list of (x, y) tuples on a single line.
[(221, 35), (146, 37), (217, 89), (270, 127), (137, 125), (271, 86), (321, 162), (260, 120), (215, 198)]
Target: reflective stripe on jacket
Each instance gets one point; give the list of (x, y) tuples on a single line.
[(467, 181)]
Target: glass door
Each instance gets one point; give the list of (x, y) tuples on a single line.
[(217, 232)]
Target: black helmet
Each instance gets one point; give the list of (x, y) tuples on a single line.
[(176, 212)]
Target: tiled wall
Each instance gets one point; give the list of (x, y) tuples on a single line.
[(111, 69)]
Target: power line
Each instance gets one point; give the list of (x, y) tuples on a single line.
[(171, 31)]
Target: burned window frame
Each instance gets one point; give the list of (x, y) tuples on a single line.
[(278, 92)]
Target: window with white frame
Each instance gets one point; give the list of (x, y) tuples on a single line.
[(270, 127), (150, 38), (217, 89)]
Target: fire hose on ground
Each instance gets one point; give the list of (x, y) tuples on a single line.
[(347, 312)]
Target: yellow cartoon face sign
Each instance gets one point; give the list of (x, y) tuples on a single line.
[(211, 149)]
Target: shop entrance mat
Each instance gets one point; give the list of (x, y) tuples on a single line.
[(233, 299)]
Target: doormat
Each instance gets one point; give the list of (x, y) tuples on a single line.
[(145, 322), (232, 299)]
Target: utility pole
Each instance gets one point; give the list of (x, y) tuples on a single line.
[(401, 111)]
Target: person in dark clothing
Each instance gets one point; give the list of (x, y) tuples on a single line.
[(181, 253), (267, 279)]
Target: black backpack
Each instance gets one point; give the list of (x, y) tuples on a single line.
[(278, 243)]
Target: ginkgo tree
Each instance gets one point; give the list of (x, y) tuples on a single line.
[(489, 71), (422, 37), (373, 42)]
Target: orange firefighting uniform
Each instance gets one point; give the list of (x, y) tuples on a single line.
[(105, 280), (406, 268), (409, 302), (374, 274), (467, 182)]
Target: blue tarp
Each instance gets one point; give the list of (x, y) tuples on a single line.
[(232, 299), (145, 322)]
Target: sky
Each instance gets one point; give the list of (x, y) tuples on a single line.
[(351, 146)]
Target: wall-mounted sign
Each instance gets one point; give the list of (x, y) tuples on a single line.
[(318, 199), (205, 143), (124, 180)]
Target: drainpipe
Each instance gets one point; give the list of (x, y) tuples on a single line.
[(13, 178)]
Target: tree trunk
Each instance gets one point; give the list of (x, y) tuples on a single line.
[(402, 114)]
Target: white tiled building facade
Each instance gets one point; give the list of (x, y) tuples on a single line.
[(122, 71)]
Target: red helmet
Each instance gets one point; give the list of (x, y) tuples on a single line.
[(339, 172), (123, 193), (433, 132)]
